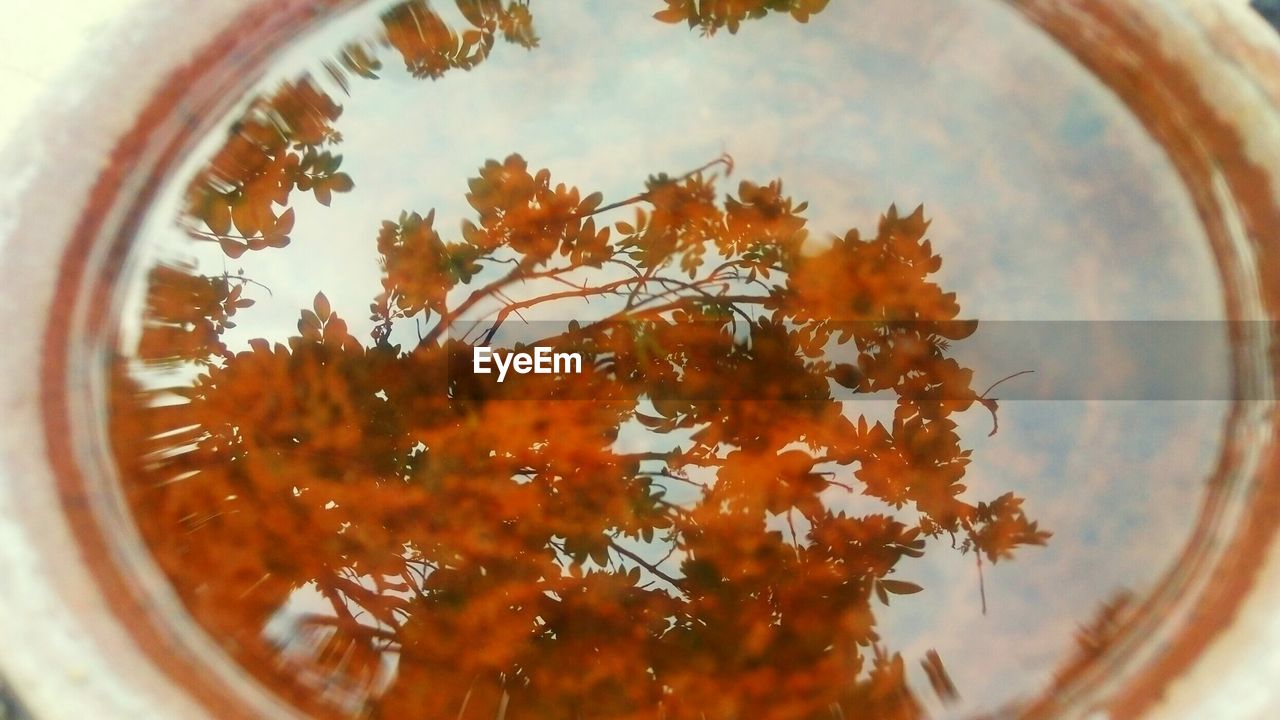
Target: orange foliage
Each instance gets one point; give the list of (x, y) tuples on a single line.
[(711, 15), (430, 48), (500, 539), (665, 535)]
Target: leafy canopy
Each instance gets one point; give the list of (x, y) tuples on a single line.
[(672, 533)]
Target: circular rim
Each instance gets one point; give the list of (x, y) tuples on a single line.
[(107, 657), (1202, 91), (1208, 57)]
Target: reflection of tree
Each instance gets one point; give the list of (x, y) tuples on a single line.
[(1111, 620), (285, 141), (502, 544), (668, 535), (711, 15), (1093, 639), (277, 147), (431, 48)]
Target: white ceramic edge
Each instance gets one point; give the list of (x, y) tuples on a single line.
[(61, 649), (1238, 675)]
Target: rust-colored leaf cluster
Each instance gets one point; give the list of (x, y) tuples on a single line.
[(186, 313), (275, 148), (663, 535), (285, 141), (430, 48), (708, 16), (377, 531)]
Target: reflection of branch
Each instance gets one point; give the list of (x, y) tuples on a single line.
[(228, 277), (447, 318), (681, 304), (1007, 377), (838, 484), (350, 627), (711, 298), (517, 274), (651, 455), (607, 288), (673, 476), (684, 303), (338, 602), (644, 282), (645, 564), (992, 405), (520, 271), (982, 585), (629, 266), (551, 297), (382, 607), (204, 236), (346, 622), (726, 159)]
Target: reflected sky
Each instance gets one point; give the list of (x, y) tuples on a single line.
[(1119, 482), (1048, 202)]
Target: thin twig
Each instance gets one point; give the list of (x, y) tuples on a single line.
[(643, 563), (1007, 377), (982, 585)]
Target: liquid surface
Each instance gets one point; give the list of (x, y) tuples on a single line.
[(776, 490)]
